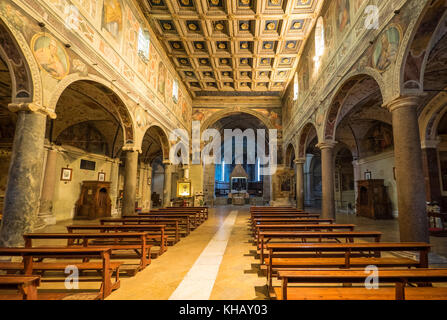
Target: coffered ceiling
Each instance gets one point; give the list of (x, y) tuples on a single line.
[(233, 47)]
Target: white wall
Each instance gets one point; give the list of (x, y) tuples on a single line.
[(381, 167), (67, 193)]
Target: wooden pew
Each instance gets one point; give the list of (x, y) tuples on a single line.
[(301, 227), (202, 210), (355, 255), (28, 266), (198, 215), (263, 221), (133, 241), (400, 278), (284, 215), (25, 285), (154, 232), (190, 220), (172, 229), (290, 236)]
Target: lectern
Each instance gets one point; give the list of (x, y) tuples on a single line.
[(372, 200), (94, 201)]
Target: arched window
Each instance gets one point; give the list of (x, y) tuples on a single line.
[(295, 87), (143, 44), (319, 41), (319, 37), (175, 91)]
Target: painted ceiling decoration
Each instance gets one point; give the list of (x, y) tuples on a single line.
[(233, 47)]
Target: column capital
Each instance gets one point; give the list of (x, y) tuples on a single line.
[(403, 102), (130, 148), (329, 144), (166, 162), (430, 144), (31, 107), (300, 161)]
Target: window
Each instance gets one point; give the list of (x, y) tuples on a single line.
[(319, 41), (175, 91), (295, 87), (143, 44)]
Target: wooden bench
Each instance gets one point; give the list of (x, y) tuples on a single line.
[(201, 210), (267, 221), (400, 278), (355, 255), (284, 215), (266, 236), (172, 227), (301, 227), (28, 266), (25, 285), (154, 232), (199, 215), (114, 240), (190, 220)]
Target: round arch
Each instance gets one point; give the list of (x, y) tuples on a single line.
[(304, 137), (118, 105), (290, 154), (430, 117), (225, 113), (25, 76), (352, 90), (162, 138), (417, 45)]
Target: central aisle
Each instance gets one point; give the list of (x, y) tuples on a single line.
[(196, 269)]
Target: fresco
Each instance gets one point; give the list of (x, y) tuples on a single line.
[(50, 55), (343, 14), (112, 17), (89, 6), (161, 78), (386, 49)]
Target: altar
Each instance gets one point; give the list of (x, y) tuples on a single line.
[(238, 186)]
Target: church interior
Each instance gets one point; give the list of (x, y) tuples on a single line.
[(223, 150)]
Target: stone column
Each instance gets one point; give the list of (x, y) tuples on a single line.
[(413, 221), (114, 181), (46, 215), (149, 187), (308, 194), (143, 184), (21, 203), (357, 177), (130, 182), (167, 183), (299, 164), (327, 179), (431, 170)]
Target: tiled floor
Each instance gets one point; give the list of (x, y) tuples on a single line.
[(217, 260)]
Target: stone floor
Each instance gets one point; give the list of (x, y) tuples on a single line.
[(217, 262)]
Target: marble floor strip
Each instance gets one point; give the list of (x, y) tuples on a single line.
[(199, 281)]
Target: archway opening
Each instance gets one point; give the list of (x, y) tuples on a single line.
[(85, 142), (238, 161), (8, 121), (151, 173)]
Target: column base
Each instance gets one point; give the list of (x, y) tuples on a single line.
[(44, 220)]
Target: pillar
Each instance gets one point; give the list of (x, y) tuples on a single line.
[(21, 203), (130, 182), (149, 187), (431, 169), (114, 181), (308, 194), (299, 165), (46, 214), (413, 221), (357, 177), (327, 179), (167, 183)]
